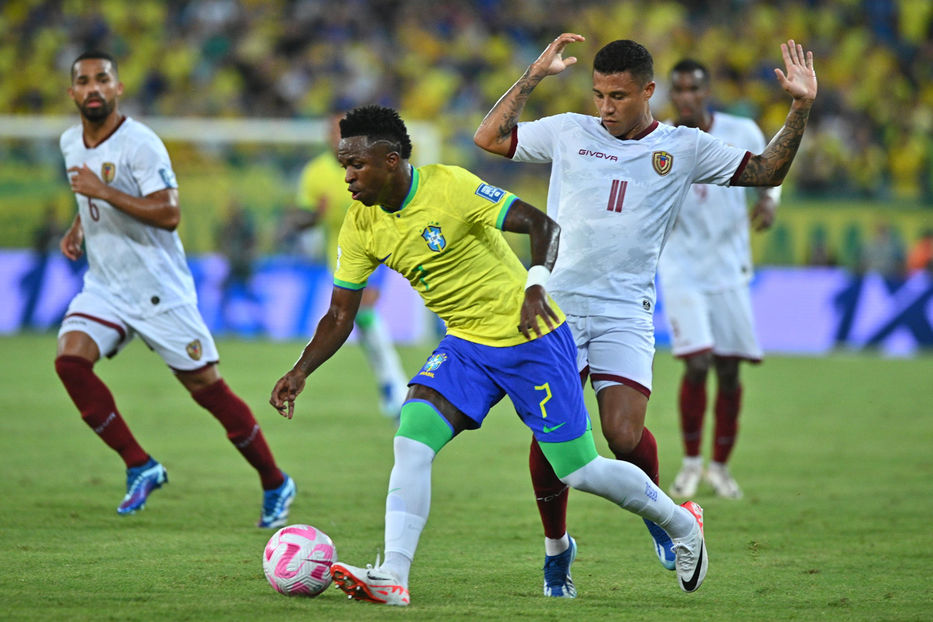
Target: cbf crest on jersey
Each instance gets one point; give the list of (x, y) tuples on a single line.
[(433, 235), (662, 162), (108, 172)]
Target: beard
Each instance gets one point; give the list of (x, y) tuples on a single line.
[(99, 113)]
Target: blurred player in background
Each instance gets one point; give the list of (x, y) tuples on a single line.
[(617, 183), (705, 270), (138, 283), (323, 201), (440, 227)]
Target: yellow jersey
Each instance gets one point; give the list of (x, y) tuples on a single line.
[(321, 188), (446, 240)]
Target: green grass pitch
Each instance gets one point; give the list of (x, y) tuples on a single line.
[(835, 457)]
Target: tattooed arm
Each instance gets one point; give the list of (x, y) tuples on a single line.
[(494, 134), (770, 167)]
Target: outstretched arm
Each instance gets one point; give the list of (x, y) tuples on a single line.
[(771, 166), (495, 132), (332, 330), (545, 235)]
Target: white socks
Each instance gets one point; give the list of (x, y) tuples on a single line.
[(556, 546), (626, 485), (407, 504)]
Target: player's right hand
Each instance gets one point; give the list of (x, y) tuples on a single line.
[(70, 244), (536, 306), (285, 391), (551, 60)]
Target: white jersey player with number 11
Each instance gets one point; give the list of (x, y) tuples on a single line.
[(617, 183)]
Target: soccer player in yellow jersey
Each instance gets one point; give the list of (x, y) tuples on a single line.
[(439, 226), (323, 202)]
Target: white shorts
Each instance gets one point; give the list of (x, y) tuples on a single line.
[(178, 335), (614, 350), (721, 322)]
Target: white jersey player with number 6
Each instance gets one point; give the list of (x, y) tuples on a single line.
[(617, 184), (138, 282), (704, 273)]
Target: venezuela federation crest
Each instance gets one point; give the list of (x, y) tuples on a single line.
[(662, 162), (108, 171), (194, 349)]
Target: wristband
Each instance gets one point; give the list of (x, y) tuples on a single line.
[(537, 275)]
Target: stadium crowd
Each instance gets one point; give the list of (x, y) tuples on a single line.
[(447, 60)]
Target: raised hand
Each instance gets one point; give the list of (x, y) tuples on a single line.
[(551, 60), (800, 79)]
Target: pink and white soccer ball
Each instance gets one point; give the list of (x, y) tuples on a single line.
[(297, 560)]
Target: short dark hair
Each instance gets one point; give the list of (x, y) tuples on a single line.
[(625, 55), (688, 65), (94, 54), (377, 123)]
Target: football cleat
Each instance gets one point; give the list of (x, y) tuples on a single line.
[(692, 560), (663, 546), (557, 581), (140, 481), (275, 504), (722, 481), (373, 585), (688, 478)]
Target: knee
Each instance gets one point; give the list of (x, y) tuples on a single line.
[(727, 374), (623, 435), (696, 368), (577, 479)]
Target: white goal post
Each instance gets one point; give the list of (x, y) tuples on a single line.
[(425, 136)]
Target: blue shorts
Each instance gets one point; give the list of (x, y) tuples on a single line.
[(540, 377)]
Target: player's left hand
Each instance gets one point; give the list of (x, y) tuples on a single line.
[(285, 392), (762, 216), (535, 306), (84, 181), (800, 79)]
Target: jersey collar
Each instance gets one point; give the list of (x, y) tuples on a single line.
[(412, 189)]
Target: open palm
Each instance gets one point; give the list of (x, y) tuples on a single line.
[(800, 79), (551, 60)]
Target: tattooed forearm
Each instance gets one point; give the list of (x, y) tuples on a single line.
[(509, 108), (771, 166), (496, 128)]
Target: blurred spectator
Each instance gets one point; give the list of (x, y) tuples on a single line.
[(920, 256), (884, 253), (236, 240), (46, 236), (45, 240), (818, 251)]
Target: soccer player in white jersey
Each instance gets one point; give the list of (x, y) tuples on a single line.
[(138, 283), (617, 182), (705, 271)]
